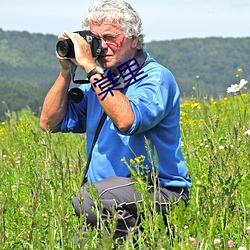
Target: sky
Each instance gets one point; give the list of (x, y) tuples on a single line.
[(161, 19)]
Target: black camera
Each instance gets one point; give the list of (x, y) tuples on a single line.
[(65, 48)]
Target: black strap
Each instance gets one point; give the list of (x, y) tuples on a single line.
[(97, 132)]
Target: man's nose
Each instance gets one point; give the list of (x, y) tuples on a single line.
[(104, 44)]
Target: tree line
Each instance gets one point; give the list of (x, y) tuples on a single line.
[(202, 67)]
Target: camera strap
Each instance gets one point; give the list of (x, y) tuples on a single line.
[(141, 59), (97, 132)]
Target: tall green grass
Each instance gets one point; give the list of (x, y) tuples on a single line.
[(40, 172)]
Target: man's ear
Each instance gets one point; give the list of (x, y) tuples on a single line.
[(134, 42)]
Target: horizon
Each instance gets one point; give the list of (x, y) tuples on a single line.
[(173, 39), (161, 19)]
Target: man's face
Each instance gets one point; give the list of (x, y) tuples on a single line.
[(117, 49)]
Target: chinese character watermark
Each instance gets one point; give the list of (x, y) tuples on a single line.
[(129, 71)]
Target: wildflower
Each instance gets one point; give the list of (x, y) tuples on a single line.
[(198, 182), (45, 216), (240, 70), (242, 248), (137, 159), (216, 241), (248, 230), (230, 244), (14, 188), (247, 133), (237, 87), (195, 106), (132, 162), (221, 147), (192, 240)]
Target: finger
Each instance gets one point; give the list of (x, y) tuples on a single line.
[(69, 60), (69, 34), (59, 57)]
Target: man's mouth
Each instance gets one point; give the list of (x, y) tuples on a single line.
[(104, 57)]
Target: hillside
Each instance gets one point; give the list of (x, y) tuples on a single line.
[(210, 63), (28, 66)]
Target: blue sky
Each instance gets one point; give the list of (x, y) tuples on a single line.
[(162, 19)]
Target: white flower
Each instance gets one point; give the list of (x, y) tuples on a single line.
[(247, 133), (22, 210), (242, 248), (217, 241), (237, 87)]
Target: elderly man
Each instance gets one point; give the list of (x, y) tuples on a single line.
[(142, 107)]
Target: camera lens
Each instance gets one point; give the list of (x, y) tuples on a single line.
[(65, 48)]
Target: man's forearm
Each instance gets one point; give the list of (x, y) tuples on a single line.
[(116, 106), (55, 103)]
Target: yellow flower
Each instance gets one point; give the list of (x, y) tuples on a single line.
[(132, 162), (195, 105), (138, 160), (240, 70)]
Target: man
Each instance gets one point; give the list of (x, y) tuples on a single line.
[(144, 108)]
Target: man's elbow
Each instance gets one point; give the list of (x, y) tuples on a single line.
[(45, 126), (125, 125)]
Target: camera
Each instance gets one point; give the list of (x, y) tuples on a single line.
[(65, 48)]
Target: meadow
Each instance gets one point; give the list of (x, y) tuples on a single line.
[(40, 172)]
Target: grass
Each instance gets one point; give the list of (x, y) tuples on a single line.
[(40, 172)]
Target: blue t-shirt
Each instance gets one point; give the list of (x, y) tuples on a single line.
[(156, 107)]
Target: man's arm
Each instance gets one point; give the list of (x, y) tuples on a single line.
[(55, 103)]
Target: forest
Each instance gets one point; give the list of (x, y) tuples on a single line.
[(202, 67)]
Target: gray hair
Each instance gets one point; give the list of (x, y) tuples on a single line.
[(120, 13)]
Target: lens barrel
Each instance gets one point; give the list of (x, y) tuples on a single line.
[(65, 48), (75, 95)]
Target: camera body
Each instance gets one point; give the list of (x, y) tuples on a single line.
[(65, 48)]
